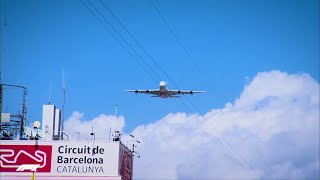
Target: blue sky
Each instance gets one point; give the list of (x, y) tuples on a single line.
[(229, 41), (257, 60)]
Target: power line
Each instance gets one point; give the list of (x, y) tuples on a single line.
[(107, 28), (198, 69), (118, 38), (223, 139), (104, 25), (216, 138), (220, 140), (146, 52), (169, 78), (178, 41), (124, 40)]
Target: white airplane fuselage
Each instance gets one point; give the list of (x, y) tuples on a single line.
[(163, 90)]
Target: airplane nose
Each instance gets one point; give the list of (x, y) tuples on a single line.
[(162, 83)]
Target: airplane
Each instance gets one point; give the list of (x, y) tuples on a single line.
[(164, 92)]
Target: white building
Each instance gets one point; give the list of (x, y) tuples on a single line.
[(51, 122)]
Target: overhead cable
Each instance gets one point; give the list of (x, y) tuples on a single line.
[(178, 40), (128, 44), (154, 61)]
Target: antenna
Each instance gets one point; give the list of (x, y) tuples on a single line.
[(64, 82), (2, 55), (92, 134), (110, 134), (115, 112), (50, 92), (115, 116)]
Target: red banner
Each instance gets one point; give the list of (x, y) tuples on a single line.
[(25, 158)]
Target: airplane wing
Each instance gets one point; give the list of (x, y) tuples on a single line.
[(153, 91), (179, 92)]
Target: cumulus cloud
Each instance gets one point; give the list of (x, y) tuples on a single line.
[(78, 127), (271, 131)]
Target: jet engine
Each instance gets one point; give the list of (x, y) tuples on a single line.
[(191, 92), (147, 91)]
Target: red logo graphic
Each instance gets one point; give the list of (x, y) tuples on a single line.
[(22, 158)]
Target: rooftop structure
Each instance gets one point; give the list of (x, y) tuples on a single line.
[(47, 152), (19, 159)]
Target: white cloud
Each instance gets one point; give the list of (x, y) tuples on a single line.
[(101, 126), (271, 131)]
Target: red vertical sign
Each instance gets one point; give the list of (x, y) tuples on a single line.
[(125, 163)]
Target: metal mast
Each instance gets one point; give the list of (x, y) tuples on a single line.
[(2, 50), (63, 100), (23, 115), (24, 112)]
